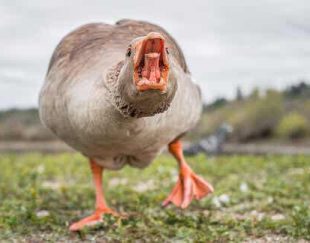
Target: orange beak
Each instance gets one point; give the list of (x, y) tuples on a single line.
[(151, 65)]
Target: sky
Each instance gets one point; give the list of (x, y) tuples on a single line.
[(227, 43)]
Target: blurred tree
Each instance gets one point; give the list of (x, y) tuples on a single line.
[(239, 95), (18, 124), (218, 103), (272, 93), (255, 94), (293, 125), (257, 118), (300, 90)]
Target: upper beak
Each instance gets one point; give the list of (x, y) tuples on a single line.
[(153, 42)]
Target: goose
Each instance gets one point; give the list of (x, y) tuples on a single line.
[(119, 94)]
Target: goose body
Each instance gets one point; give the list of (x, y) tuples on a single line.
[(78, 100), (119, 94)]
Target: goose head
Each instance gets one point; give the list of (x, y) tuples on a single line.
[(147, 83)]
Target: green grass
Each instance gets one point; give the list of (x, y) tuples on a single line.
[(267, 196)]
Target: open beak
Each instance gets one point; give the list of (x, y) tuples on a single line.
[(151, 66)]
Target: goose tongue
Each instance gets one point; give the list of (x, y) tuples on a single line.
[(151, 70)]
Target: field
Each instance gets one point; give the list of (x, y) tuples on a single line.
[(263, 198)]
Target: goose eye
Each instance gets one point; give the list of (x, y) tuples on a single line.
[(128, 54), (167, 50)]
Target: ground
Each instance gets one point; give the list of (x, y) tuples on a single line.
[(256, 198)]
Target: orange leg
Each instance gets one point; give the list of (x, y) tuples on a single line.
[(101, 205), (189, 186)]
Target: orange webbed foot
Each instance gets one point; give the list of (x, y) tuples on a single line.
[(189, 186), (93, 219)]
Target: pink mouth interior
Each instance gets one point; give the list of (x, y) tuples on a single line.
[(151, 61), (151, 70), (151, 67)]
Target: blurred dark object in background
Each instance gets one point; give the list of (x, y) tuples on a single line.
[(211, 144)]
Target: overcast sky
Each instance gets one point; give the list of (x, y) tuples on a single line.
[(227, 43)]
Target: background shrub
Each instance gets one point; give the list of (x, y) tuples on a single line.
[(293, 125)]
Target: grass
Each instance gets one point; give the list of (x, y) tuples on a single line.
[(255, 197)]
